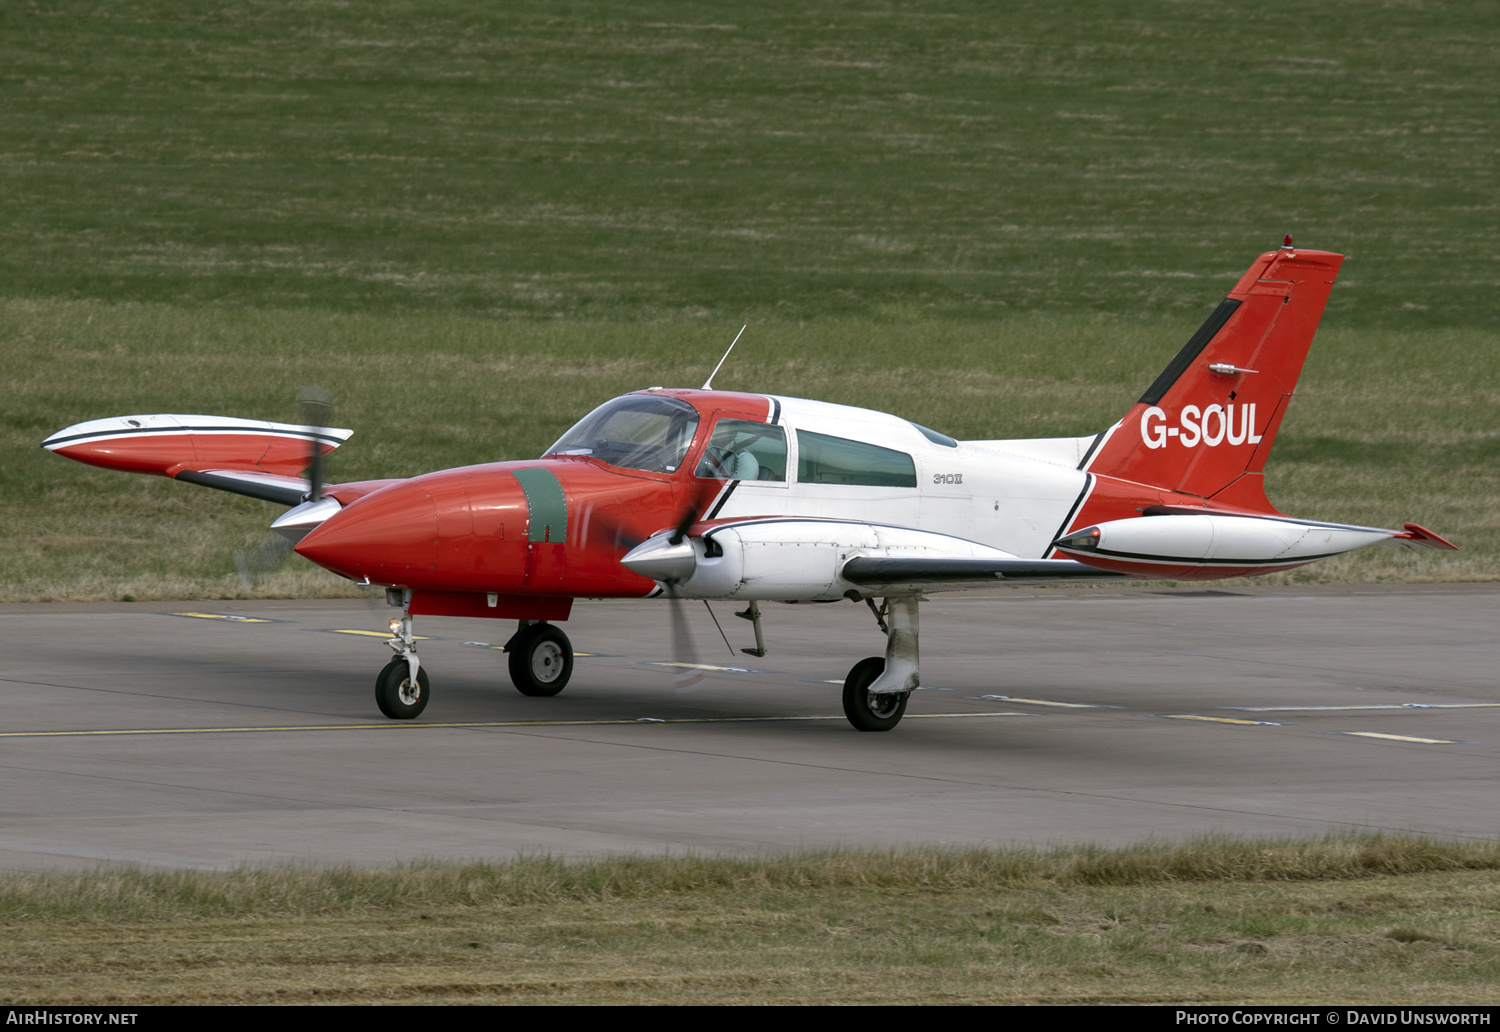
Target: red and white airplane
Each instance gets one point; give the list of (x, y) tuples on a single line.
[(705, 494)]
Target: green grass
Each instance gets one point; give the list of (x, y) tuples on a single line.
[(650, 159), (474, 221), (1357, 920)]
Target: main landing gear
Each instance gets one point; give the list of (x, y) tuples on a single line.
[(877, 689), (541, 659)]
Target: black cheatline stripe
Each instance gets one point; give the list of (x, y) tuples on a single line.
[(1180, 561), (330, 438), (1098, 440), (1088, 482), (722, 499), (1191, 350), (776, 412)]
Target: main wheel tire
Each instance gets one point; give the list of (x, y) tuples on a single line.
[(541, 660), (871, 712), (394, 693)]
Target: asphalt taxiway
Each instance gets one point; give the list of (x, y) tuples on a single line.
[(211, 735)]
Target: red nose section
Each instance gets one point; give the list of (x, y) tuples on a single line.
[(390, 536), (548, 528)]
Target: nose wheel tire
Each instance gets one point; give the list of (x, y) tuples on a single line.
[(541, 660), (869, 712), (396, 696)]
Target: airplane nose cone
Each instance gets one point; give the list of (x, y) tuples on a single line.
[(389, 536)]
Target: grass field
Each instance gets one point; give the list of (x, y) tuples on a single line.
[(1359, 920), (474, 221)]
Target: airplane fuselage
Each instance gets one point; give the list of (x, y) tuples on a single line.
[(558, 525)]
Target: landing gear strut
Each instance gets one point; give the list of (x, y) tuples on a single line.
[(402, 690), (541, 659), (876, 690)]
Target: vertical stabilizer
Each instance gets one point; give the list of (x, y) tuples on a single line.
[(1206, 425)]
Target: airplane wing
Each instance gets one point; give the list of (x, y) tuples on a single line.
[(937, 573), (814, 559), (268, 487)]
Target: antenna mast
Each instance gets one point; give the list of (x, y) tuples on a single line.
[(715, 373)]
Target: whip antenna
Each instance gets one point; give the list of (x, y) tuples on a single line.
[(715, 373)]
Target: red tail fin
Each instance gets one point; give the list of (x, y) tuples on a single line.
[(1206, 425)]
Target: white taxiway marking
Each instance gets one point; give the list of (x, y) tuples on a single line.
[(1223, 720), (1045, 702)]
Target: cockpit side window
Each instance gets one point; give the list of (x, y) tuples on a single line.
[(638, 431), (833, 460), (742, 450)]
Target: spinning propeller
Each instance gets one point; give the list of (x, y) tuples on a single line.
[(258, 560), (670, 563)]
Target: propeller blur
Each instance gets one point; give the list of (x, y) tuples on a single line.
[(703, 494)]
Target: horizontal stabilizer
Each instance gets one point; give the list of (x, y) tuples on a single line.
[(1421, 537)]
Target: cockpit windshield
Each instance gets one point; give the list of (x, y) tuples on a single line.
[(638, 431)]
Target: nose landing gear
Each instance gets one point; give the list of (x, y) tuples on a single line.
[(402, 689), (397, 695)]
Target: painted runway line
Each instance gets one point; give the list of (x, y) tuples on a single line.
[(1400, 738), (224, 616), (1046, 702), (1223, 720), (398, 726), (501, 648)]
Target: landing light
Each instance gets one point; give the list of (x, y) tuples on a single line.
[(1086, 539), (395, 625)]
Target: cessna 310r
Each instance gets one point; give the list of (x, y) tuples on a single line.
[(705, 494)]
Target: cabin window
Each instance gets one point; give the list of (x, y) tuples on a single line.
[(742, 450), (833, 460), (638, 431)]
